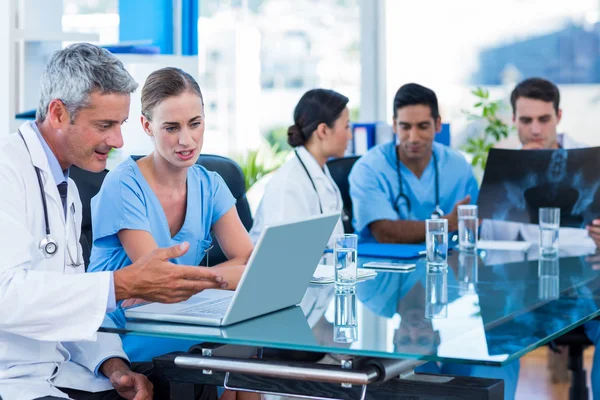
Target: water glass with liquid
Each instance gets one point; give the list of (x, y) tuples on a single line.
[(549, 220), (468, 224), (345, 326), (436, 239), (345, 258)]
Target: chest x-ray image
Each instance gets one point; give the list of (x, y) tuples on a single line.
[(516, 183)]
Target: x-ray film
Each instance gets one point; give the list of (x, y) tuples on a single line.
[(516, 183)]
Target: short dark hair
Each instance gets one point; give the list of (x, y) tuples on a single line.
[(413, 94), (538, 89), (164, 83), (315, 107)]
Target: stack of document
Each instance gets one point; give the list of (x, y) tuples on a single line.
[(325, 274)]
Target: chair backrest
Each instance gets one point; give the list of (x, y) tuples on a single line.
[(340, 169), (88, 183), (233, 176)]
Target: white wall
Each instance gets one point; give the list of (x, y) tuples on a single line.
[(373, 62)]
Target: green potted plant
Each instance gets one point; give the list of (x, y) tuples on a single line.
[(257, 163), (494, 128)]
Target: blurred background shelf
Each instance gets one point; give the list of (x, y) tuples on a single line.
[(29, 35)]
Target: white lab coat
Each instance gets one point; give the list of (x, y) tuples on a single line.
[(49, 312), (289, 195), (569, 238)]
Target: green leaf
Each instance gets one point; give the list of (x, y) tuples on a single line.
[(259, 162), (495, 128), (483, 163)]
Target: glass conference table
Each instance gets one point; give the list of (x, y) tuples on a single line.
[(489, 307)]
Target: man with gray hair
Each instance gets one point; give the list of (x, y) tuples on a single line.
[(50, 310)]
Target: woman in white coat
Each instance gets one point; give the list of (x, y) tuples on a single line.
[(303, 186)]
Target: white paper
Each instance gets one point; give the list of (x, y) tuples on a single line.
[(503, 245), (325, 274)]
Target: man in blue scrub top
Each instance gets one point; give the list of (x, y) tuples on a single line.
[(396, 187)]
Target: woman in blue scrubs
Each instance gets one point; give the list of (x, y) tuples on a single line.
[(165, 198)]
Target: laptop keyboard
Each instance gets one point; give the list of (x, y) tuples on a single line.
[(213, 307)]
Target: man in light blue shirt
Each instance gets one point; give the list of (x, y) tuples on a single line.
[(396, 187)]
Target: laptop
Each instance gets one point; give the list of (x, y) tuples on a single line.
[(276, 277)]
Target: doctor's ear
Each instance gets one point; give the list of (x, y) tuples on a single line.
[(438, 124), (57, 114), (146, 125), (321, 130)]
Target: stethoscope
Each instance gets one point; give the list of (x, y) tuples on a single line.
[(437, 212), (312, 182), (48, 245)]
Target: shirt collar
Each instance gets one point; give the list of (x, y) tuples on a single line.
[(311, 163), (58, 174), (560, 139)]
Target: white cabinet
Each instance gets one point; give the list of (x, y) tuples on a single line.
[(30, 31)]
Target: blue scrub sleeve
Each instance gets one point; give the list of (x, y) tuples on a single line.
[(222, 198), (120, 204), (370, 202)]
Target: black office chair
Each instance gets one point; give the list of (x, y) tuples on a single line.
[(340, 169), (89, 184), (576, 341), (233, 176)]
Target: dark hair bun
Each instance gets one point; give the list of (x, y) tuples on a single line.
[(295, 136)]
